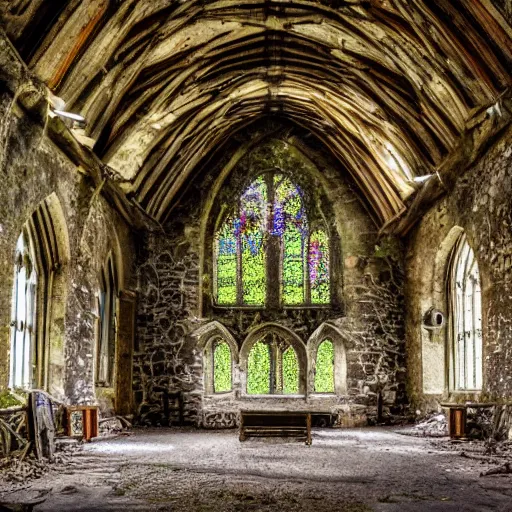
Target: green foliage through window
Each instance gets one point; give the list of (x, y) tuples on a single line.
[(222, 368), (290, 372), (258, 370), (324, 375)]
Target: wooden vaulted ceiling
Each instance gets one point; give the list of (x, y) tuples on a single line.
[(387, 85)]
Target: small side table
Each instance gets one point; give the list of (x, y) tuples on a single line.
[(457, 417), (82, 421)]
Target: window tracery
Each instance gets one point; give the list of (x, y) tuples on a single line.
[(466, 318), (23, 317), (272, 367), (266, 253)]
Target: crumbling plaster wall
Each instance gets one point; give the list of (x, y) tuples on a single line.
[(175, 300), (480, 204), (31, 168)]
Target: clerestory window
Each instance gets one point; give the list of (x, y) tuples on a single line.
[(268, 253), (466, 318)]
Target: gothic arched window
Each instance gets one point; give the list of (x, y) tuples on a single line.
[(106, 348), (466, 318), (324, 368), (268, 253), (272, 367), (23, 317)]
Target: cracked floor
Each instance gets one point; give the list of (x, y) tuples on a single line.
[(352, 470)]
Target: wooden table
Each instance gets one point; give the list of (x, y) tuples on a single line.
[(275, 424), (82, 421), (457, 417)]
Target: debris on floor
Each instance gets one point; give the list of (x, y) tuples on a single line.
[(18, 472), (114, 425), (435, 425)]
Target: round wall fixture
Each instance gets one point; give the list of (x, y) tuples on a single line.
[(433, 319)]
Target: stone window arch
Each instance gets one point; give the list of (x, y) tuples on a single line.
[(273, 361), (209, 338), (328, 336), (268, 252), (39, 300), (465, 318)]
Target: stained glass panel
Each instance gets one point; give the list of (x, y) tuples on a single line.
[(324, 375), (258, 369), (243, 254), (290, 372), (290, 224), (226, 264), (319, 267), (222, 368), (251, 226)]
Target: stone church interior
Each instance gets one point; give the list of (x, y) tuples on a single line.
[(230, 227)]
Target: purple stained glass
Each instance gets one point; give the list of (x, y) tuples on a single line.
[(241, 247), (291, 225), (318, 261)]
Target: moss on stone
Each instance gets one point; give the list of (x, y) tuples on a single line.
[(7, 399)]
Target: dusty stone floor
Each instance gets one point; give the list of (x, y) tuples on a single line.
[(352, 470)]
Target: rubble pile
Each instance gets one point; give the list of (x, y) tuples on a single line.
[(435, 425), (18, 471), (114, 425)]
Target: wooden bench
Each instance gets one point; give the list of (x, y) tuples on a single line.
[(275, 424)]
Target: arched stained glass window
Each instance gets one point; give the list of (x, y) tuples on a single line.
[(222, 380), (318, 262), (265, 252), (324, 373), (466, 318), (290, 225)]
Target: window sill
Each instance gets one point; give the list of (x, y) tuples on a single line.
[(281, 308), (260, 397), (465, 392), (220, 394)]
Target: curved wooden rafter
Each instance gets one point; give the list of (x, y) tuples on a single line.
[(387, 86)]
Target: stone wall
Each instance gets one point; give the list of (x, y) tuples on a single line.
[(32, 168), (174, 283), (480, 204)]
